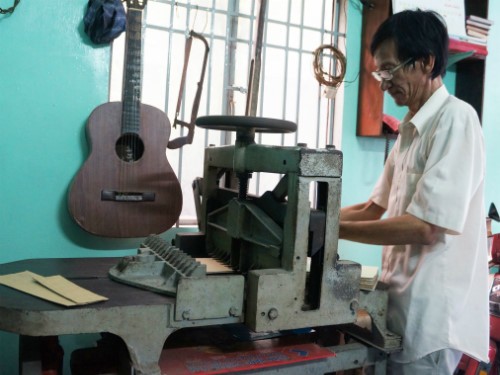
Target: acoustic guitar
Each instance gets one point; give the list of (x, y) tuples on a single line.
[(126, 187)]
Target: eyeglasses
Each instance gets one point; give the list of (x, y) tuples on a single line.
[(388, 74)]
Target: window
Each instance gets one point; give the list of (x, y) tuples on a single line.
[(293, 30)]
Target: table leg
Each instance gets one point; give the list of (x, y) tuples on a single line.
[(145, 351), (144, 335)]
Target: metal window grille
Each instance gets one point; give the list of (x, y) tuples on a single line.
[(288, 89)]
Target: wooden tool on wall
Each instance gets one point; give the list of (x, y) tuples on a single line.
[(126, 187)]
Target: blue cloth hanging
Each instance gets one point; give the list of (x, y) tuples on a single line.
[(104, 20)]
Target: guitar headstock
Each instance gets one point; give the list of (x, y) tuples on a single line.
[(136, 4)]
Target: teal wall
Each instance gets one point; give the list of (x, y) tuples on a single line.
[(51, 78)]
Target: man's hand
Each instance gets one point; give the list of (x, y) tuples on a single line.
[(363, 223)]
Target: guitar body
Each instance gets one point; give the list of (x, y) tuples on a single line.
[(127, 193)]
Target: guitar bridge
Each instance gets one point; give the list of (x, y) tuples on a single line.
[(121, 196)]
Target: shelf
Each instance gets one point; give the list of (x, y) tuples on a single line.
[(479, 51)]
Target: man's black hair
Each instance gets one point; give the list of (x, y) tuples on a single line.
[(417, 34)]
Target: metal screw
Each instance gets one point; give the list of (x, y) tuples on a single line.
[(301, 144), (272, 313), (186, 314)]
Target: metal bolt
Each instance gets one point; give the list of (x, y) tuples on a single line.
[(186, 314), (354, 305), (233, 311), (330, 147), (272, 313), (301, 144)]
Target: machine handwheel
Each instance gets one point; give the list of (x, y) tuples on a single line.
[(246, 123)]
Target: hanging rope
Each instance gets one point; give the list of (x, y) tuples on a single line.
[(326, 78), (11, 9)]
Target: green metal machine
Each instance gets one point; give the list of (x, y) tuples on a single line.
[(282, 253)]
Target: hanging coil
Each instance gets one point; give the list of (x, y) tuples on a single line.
[(11, 9), (324, 77)]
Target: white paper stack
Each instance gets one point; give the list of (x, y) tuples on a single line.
[(369, 277)]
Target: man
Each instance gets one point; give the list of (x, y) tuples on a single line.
[(431, 192)]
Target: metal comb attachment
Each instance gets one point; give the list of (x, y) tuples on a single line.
[(157, 266)]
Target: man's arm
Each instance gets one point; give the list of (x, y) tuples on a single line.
[(362, 211), (401, 230)]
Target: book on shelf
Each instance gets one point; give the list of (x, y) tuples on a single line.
[(475, 40), (467, 39), (481, 25), (477, 35), (481, 20), (477, 30)]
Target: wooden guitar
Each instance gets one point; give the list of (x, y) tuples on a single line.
[(126, 187)]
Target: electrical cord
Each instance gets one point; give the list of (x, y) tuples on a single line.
[(327, 78)]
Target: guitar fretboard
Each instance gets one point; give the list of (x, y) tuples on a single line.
[(132, 73)]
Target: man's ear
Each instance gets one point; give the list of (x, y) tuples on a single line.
[(428, 63)]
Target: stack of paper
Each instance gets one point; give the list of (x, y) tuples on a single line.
[(55, 289), (369, 277), (214, 266)]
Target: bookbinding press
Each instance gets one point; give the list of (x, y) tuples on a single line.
[(283, 267)]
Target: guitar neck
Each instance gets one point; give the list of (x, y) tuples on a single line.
[(132, 73)]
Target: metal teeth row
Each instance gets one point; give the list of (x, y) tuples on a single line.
[(156, 243), (164, 252), (182, 262)]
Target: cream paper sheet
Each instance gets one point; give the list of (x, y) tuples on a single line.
[(55, 289)]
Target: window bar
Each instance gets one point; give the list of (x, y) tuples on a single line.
[(183, 105), (297, 112), (231, 45), (336, 8), (287, 46), (209, 67), (169, 54), (262, 70), (318, 105)]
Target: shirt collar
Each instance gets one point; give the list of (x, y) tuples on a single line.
[(429, 109)]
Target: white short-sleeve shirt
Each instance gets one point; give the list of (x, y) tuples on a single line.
[(438, 294)]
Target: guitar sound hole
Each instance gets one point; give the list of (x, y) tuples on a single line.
[(129, 147)]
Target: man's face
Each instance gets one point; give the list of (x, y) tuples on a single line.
[(407, 84)]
